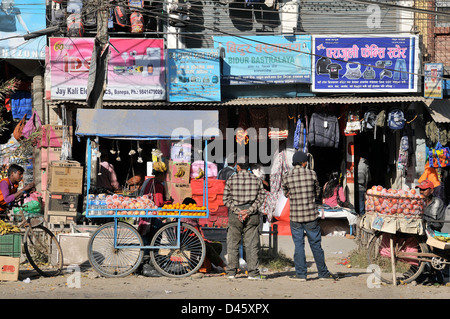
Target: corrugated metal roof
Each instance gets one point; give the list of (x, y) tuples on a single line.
[(439, 110), (256, 101)]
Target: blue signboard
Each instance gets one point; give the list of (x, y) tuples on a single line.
[(365, 64), (16, 20), (265, 59), (194, 75)]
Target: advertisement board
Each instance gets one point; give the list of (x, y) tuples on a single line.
[(265, 59), (194, 75), (433, 86), (16, 20), (135, 69), (365, 64)]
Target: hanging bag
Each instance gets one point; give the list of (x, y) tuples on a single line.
[(32, 125), (18, 129)]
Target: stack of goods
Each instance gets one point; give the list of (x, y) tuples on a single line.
[(121, 205), (396, 203)]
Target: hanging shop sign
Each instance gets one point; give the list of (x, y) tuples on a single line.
[(433, 81), (365, 64), (135, 69), (194, 75), (16, 20), (265, 59)]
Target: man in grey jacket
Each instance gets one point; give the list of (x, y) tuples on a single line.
[(364, 178)]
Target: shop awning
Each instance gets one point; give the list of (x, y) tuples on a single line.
[(147, 124), (254, 102), (439, 110)]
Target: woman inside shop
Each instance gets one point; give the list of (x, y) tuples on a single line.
[(333, 192)]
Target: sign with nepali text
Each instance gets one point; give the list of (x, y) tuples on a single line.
[(265, 59), (365, 64)]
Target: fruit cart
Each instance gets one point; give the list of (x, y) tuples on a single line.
[(116, 248)]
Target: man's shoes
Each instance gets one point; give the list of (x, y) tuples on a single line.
[(297, 278), (330, 277), (257, 277)]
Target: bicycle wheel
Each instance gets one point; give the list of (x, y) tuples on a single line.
[(109, 261), (43, 251), (408, 267), (178, 262)]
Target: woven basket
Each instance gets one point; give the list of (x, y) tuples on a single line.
[(408, 206)]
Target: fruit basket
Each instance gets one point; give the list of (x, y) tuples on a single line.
[(396, 203)]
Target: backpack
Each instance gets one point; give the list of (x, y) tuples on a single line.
[(75, 27), (90, 15), (369, 120), (121, 16), (396, 119), (74, 6), (137, 22), (380, 120)]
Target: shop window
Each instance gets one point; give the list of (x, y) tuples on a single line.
[(442, 20)]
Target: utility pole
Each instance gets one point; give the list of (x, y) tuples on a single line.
[(98, 72)]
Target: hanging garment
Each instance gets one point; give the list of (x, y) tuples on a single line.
[(323, 130)]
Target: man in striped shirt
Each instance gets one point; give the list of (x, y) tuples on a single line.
[(243, 195), (302, 188)]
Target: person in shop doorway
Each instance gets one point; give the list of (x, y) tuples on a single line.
[(107, 178), (302, 188), (229, 169), (364, 178), (9, 188), (333, 193), (243, 195)]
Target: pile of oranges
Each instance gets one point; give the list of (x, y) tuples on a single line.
[(178, 209)]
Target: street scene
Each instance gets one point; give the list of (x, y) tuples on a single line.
[(258, 150)]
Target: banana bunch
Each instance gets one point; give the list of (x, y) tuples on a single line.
[(443, 238), (6, 228), (201, 173), (159, 167), (180, 172)]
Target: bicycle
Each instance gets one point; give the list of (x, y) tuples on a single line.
[(411, 254), (40, 245)]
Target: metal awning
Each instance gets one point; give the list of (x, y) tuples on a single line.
[(307, 100), (439, 110), (147, 124)]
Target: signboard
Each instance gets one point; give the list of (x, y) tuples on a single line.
[(265, 59), (365, 64), (135, 69), (194, 75), (433, 86), (16, 20)]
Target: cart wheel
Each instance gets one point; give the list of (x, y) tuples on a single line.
[(43, 251), (115, 262), (178, 262), (407, 269)]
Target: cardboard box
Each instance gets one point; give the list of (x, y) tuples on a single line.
[(56, 219), (174, 168), (9, 268), (179, 191), (52, 135), (65, 177), (433, 242), (62, 204)]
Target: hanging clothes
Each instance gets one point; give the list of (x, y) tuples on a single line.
[(323, 130)]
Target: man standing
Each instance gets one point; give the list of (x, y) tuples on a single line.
[(302, 188), (243, 195)]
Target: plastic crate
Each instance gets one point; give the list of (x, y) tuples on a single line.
[(11, 245)]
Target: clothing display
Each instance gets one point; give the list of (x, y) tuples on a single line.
[(323, 130)]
